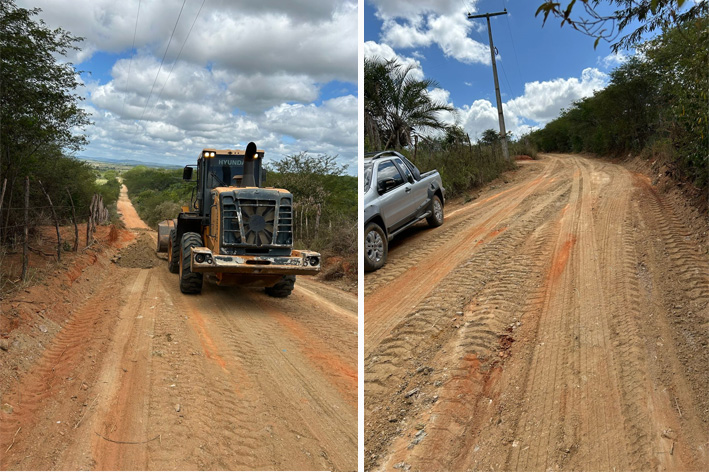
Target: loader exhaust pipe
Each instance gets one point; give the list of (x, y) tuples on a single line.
[(249, 158)]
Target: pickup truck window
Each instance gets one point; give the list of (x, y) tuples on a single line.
[(407, 172), (388, 172)]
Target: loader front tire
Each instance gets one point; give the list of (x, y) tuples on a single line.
[(173, 253), (283, 288), (190, 282)]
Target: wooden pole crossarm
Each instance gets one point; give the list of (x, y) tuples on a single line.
[(487, 15)]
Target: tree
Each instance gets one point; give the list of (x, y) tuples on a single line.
[(40, 116), (490, 137), (396, 104), (652, 15), (38, 103), (455, 136), (310, 180)]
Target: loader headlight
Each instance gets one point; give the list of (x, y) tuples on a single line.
[(314, 260), (199, 258)]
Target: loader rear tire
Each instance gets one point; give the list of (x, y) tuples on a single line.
[(283, 288), (173, 253), (190, 282)]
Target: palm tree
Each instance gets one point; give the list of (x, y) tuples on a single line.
[(396, 104)]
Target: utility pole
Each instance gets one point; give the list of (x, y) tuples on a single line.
[(500, 114)]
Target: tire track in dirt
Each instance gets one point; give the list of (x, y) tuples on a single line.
[(391, 365), (317, 410), (123, 404), (251, 390), (583, 350), (220, 402), (676, 323), (464, 401), (564, 375), (59, 372), (384, 310)]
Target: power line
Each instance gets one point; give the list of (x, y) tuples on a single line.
[(163, 60), (178, 54), (130, 63), (514, 48)]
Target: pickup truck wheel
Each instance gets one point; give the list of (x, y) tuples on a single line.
[(375, 247), (190, 282), (436, 218), (173, 253), (283, 288)]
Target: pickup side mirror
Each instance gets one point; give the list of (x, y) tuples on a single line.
[(187, 173)]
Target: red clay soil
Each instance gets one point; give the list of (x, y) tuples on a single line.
[(557, 322), (108, 366)]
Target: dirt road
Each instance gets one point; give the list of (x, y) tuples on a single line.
[(141, 376), (559, 321)]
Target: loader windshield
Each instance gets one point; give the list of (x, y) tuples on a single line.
[(222, 170)]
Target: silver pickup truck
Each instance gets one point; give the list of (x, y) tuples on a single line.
[(396, 196)]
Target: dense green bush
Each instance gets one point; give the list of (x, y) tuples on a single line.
[(324, 202), (462, 166)]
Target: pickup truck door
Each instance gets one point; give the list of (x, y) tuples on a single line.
[(394, 195), (417, 194)]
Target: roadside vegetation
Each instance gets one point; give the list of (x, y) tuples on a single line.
[(41, 119), (41, 127), (655, 104)]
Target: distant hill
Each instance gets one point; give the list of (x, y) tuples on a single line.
[(129, 162)]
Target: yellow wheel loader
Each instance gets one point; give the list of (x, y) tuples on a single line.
[(235, 231)]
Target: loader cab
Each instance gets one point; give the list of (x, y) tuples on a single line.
[(225, 168)]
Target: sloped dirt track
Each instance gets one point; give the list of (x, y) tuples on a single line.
[(141, 376), (559, 322)]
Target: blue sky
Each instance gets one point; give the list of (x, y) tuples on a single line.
[(541, 69), (282, 74)]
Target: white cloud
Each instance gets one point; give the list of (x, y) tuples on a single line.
[(477, 117), (414, 9), (411, 35), (264, 36), (423, 23), (613, 60), (249, 71), (542, 101), (335, 121), (372, 49)]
